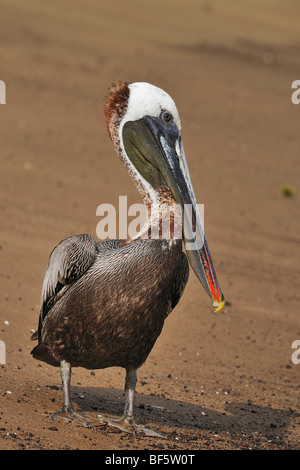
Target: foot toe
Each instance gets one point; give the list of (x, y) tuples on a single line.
[(72, 415), (129, 426)]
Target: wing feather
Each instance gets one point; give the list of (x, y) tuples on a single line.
[(68, 261)]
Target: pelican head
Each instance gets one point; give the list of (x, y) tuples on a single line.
[(144, 125)]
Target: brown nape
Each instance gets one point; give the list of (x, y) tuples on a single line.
[(116, 102)]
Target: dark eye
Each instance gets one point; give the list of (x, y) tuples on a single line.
[(166, 117)]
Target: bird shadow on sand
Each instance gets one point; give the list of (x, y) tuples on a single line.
[(174, 415)]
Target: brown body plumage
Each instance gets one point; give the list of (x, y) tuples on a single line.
[(113, 314)]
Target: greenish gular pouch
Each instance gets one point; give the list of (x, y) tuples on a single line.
[(141, 147)]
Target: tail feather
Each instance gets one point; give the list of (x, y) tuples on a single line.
[(35, 336), (41, 353)]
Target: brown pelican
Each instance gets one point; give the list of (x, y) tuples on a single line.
[(104, 304)]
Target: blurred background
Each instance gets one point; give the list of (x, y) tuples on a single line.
[(229, 66)]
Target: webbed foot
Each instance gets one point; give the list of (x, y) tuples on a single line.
[(68, 414), (128, 425)]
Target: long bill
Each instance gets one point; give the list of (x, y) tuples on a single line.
[(195, 241), (161, 147)]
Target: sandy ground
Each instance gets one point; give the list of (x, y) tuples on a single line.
[(223, 381)]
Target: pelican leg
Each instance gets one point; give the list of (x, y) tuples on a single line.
[(68, 413), (126, 423)]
